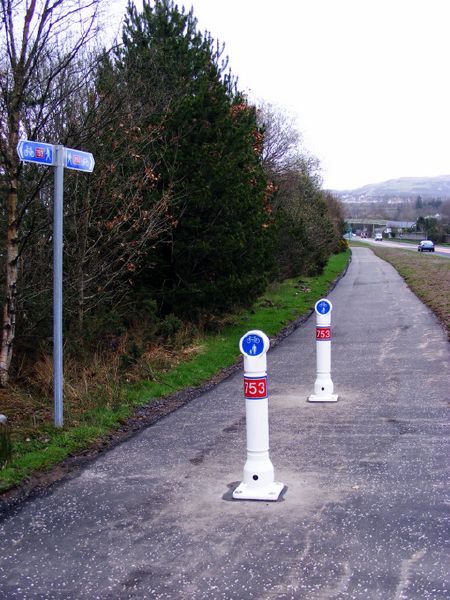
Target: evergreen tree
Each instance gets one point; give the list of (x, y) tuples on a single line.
[(217, 255), (306, 236)]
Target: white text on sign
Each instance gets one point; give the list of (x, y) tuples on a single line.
[(323, 333), (255, 387)]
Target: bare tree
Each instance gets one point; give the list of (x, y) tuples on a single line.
[(32, 59), (283, 150), (284, 157)]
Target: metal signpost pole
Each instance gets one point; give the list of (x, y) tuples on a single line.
[(57, 286)]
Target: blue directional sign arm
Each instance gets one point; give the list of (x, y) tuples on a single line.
[(78, 160), (36, 152)]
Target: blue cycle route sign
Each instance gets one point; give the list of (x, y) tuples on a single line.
[(36, 152), (78, 160), (323, 307), (253, 344)]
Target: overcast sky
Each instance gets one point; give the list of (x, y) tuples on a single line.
[(368, 81)]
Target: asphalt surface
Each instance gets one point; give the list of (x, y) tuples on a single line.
[(439, 250), (365, 514)]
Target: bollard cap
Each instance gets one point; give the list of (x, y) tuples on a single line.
[(254, 343), (323, 306)]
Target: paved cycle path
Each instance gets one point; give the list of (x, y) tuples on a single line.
[(365, 514)]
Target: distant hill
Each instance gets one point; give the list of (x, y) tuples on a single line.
[(405, 187)]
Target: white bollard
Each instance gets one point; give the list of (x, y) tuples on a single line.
[(323, 386), (258, 481)]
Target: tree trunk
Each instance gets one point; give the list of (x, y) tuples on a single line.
[(9, 306)]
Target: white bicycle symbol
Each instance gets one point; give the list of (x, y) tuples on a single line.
[(323, 307), (28, 152)]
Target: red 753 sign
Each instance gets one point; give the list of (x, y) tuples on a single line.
[(323, 333), (255, 387)]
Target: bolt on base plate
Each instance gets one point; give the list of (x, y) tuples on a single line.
[(315, 398), (271, 492)]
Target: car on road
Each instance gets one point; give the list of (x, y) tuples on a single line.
[(425, 246), (378, 237)]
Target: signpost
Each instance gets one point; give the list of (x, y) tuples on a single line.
[(59, 157)]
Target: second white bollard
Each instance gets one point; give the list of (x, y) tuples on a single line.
[(258, 481), (323, 386)]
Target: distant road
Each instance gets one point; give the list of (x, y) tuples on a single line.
[(440, 250)]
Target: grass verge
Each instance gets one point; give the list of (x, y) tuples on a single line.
[(427, 275), (39, 446)]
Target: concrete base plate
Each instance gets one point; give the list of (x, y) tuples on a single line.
[(331, 398), (271, 492)]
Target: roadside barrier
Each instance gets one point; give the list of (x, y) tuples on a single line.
[(323, 386), (258, 483)]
